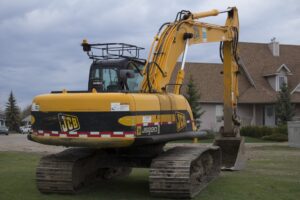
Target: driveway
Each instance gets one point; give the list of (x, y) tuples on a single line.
[(19, 142)]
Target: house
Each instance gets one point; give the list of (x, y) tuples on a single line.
[(2, 121), (268, 66), (26, 120)]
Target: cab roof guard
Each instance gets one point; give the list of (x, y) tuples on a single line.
[(106, 51)]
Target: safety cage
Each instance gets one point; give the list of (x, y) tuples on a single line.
[(107, 51)]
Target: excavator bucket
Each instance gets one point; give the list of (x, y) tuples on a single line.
[(233, 152)]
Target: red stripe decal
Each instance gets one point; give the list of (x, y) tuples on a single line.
[(74, 134)]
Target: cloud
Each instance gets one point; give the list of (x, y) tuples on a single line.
[(40, 40)]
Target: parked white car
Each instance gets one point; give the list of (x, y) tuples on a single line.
[(25, 129)]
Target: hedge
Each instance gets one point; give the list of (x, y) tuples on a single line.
[(276, 137), (261, 131)]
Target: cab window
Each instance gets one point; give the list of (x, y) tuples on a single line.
[(134, 83)]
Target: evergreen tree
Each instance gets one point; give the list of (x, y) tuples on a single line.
[(12, 113), (193, 97), (284, 108)]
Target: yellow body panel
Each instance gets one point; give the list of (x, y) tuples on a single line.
[(87, 102), (72, 104), (102, 102)]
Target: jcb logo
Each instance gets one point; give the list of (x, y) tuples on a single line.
[(68, 122), (180, 121)]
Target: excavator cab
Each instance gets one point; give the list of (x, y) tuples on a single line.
[(116, 67), (120, 75)]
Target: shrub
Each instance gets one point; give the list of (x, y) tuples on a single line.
[(282, 129), (210, 135), (264, 131), (261, 131), (256, 131), (277, 137)]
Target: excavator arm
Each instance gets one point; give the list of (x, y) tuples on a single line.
[(173, 40)]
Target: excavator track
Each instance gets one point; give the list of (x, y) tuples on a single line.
[(182, 172), (64, 172), (70, 170)]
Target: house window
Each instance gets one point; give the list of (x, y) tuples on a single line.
[(269, 111), (280, 81)]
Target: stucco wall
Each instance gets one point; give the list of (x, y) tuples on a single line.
[(245, 112), (208, 119), (259, 115)]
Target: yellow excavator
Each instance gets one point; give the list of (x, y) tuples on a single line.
[(128, 114)]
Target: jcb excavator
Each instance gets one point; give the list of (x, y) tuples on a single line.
[(127, 115)]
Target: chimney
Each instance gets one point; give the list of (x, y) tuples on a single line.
[(274, 47)]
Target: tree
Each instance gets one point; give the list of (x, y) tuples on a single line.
[(193, 97), (12, 113), (284, 108)]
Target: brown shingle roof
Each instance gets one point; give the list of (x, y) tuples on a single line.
[(259, 61)]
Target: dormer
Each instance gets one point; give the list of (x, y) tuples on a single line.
[(279, 77)]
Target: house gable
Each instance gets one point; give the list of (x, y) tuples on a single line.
[(296, 89), (283, 68)]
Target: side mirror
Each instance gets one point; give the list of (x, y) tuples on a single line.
[(127, 73)]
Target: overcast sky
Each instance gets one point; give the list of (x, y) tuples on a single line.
[(40, 40)]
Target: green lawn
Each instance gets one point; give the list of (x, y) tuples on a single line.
[(272, 173)]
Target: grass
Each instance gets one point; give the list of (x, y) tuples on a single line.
[(272, 173), (255, 140)]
